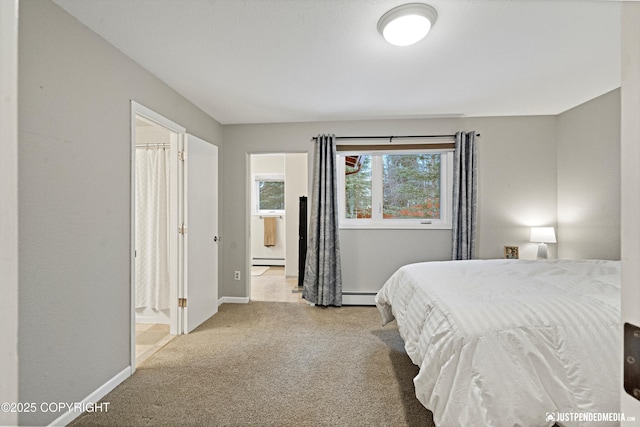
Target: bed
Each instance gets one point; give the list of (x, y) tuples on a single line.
[(510, 342)]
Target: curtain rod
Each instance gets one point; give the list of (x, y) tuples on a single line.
[(392, 137), (153, 145)]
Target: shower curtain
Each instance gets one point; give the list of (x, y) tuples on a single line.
[(152, 228)]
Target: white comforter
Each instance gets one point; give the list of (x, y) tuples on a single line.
[(510, 342)]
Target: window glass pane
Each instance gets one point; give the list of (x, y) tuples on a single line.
[(271, 195), (357, 187), (411, 186)]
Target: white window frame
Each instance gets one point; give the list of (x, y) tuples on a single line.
[(377, 222), (256, 194)]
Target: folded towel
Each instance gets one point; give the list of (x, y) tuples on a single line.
[(270, 231)]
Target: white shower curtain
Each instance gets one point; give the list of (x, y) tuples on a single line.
[(152, 228)]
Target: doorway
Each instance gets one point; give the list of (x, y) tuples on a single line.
[(277, 181), (176, 175), (156, 142)]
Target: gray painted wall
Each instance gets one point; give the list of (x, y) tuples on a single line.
[(74, 202), (531, 170), (517, 189), (589, 179)]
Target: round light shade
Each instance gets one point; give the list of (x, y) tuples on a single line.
[(407, 24)]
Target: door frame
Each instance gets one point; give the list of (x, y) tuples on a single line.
[(9, 206), (176, 144)]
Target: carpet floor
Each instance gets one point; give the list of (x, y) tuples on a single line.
[(273, 364)]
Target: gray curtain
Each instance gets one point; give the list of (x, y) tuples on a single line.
[(465, 196), (322, 274)]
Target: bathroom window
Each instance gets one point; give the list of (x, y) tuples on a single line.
[(269, 194)]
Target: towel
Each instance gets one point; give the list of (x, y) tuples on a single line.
[(270, 231)]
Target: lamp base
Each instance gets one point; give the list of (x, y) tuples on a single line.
[(542, 251)]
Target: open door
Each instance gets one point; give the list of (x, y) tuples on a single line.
[(200, 247), (630, 209)]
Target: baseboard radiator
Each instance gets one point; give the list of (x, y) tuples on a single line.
[(358, 298), (267, 261)]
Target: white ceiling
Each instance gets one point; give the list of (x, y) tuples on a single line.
[(261, 61)]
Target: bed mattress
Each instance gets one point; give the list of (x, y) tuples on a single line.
[(510, 342)]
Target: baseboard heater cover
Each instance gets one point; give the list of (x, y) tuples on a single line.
[(267, 261), (358, 298)]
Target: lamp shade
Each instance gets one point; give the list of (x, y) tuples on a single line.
[(407, 24), (543, 235)]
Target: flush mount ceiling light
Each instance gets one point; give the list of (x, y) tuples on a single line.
[(407, 24)]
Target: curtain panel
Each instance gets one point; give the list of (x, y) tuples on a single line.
[(322, 283), (465, 196)]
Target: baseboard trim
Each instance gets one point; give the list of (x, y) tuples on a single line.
[(348, 298), (94, 397), (233, 300)]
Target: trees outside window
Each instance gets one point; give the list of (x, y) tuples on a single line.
[(395, 189), (268, 194), (411, 186), (271, 195), (358, 189)]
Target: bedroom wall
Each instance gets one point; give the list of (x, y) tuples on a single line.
[(295, 169), (517, 189), (74, 203), (589, 179)]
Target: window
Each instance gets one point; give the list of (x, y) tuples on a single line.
[(269, 194), (395, 189)]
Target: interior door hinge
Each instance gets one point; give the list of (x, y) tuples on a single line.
[(182, 229), (182, 155), (182, 302)]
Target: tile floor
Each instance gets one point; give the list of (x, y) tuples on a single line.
[(150, 338), (273, 286)]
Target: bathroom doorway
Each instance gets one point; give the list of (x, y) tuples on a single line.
[(154, 276), (277, 181)]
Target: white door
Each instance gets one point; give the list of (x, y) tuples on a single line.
[(630, 155), (201, 237)]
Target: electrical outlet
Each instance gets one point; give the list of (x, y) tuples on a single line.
[(236, 275)]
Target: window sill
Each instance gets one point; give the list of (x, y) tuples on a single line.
[(396, 226), (269, 213)]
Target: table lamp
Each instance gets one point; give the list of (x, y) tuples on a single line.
[(542, 235)]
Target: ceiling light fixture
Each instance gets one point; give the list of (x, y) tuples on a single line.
[(407, 24)]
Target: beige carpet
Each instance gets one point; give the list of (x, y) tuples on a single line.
[(273, 364)]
